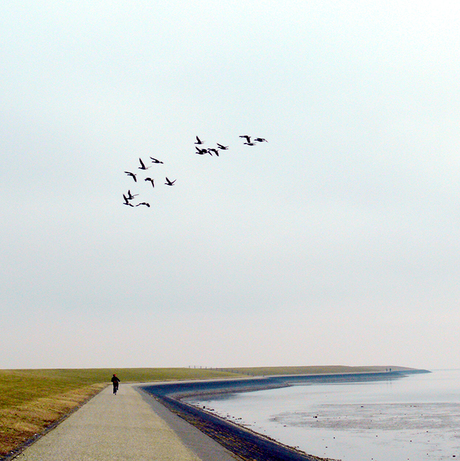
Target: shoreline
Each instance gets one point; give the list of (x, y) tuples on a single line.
[(240, 440), (182, 389)]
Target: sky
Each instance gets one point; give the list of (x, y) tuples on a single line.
[(337, 242)]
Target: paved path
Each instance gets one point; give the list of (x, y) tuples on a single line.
[(128, 426)]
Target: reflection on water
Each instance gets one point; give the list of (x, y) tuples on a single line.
[(414, 418)]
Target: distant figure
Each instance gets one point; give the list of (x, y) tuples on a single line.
[(115, 382)]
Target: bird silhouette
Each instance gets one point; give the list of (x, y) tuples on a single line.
[(143, 203), (169, 182), (211, 150), (126, 202), (132, 175), (143, 167), (151, 180), (220, 146), (260, 140), (131, 196), (248, 138), (154, 160), (198, 140), (201, 151)]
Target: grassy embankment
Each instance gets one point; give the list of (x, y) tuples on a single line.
[(310, 370), (32, 400)]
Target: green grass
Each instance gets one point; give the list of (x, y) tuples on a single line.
[(21, 386)]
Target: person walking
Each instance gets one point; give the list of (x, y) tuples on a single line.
[(115, 382)]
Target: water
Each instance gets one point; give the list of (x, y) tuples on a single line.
[(413, 418)]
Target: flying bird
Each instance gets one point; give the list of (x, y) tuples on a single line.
[(260, 140), (151, 180), (143, 203), (131, 196), (154, 160), (220, 146), (126, 202), (201, 151), (143, 167), (169, 182), (248, 138), (132, 175), (211, 150), (198, 140)]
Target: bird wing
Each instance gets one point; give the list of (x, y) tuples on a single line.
[(132, 175)]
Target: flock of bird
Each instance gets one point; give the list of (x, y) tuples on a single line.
[(129, 197), (215, 150)]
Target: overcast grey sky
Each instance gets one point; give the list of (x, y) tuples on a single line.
[(337, 242)]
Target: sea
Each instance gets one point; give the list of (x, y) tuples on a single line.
[(416, 417)]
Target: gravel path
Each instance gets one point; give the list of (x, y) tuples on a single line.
[(128, 426)]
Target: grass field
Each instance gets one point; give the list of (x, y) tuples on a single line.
[(32, 400)]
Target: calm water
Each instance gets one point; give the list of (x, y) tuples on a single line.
[(413, 418)]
